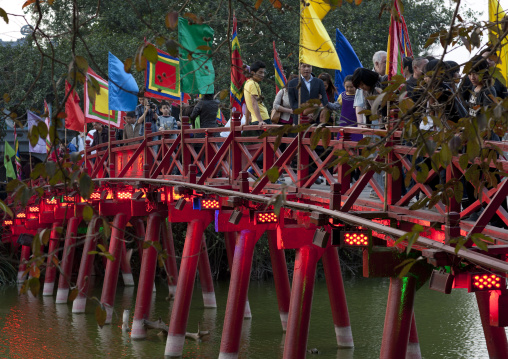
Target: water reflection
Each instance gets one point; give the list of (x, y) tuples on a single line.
[(448, 325)]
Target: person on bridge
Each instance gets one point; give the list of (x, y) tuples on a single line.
[(206, 109), (253, 97), (146, 112), (132, 127), (311, 88)]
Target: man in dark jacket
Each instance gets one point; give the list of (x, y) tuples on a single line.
[(100, 135), (311, 88), (206, 109)]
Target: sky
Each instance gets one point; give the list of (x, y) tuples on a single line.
[(11, 31)]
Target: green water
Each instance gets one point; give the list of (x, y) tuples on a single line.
[(448, 325)]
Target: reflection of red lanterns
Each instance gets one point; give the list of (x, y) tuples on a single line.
[(8, 223), (33, 209), (485, 281), (51, 201), (21, 215)]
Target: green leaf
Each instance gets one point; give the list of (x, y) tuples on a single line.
[(150, 53), (73, 294), (326, 136), (314, 138), (446, 154), (423, 173), (107, 228), (127, 65), (480, 244), (82, 64), (100, 315), (273, 174), (172, 20), (34, 285), (87, 213), (395, 173), (473, 149), (5, 208), (45, 236), (3, 14), (147, 244), (33, 135), (101, 247), (463, 161), (86, 185), (277, 205)]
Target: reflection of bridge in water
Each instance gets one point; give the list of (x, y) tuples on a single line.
[(200, 181)]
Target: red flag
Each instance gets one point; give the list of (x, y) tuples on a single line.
[(75, 118)]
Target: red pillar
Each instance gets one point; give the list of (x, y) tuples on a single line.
[(280, 277), (49, 278), (170, 262), (337, 295), (230, 240), (237, 295), (413, 346), (113, 267), (67, 260), (295, 345), (399, 312), (85, 268), (185, 286), (25, 256), (495, 337), (205, 277), (146, 278)]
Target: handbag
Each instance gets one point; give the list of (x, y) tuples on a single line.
[(275, 116)]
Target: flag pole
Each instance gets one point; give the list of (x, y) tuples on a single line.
[(109, 139), (84, 145)]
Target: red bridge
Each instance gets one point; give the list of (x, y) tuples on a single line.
[(203, 181)]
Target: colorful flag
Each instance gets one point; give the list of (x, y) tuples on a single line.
[(33, 120), (220, 117), (280, 78), (237, 76), (316, 47), (123, 89), (399, 45), (98, 111), (348, 60), (17, 158), (8, 154), (162, 79), (197, 75), (497, 14), (75, 119)]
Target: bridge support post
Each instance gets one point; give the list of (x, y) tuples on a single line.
[(337, 295), (295, 345), (399, 313), (413, 346), (67, 260), (230, 239), (170, 262), (113, 267), (146, 278), (49, 278), (280, 277), (497, 345), (237, 295), (205, 277), (85, 268), (25, 256), (185, 286)]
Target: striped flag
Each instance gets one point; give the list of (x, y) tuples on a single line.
[(399, 45), (98, 111), (237, 76), (220, 118), (17, 158), (280, 78)]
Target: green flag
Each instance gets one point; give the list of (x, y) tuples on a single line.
[(8, 154), (196, 70)]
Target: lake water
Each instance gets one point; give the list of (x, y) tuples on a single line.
[(448, 325)]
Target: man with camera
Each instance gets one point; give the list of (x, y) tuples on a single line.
[(146, 112)]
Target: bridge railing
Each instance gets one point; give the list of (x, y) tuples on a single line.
[(219, 161)]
